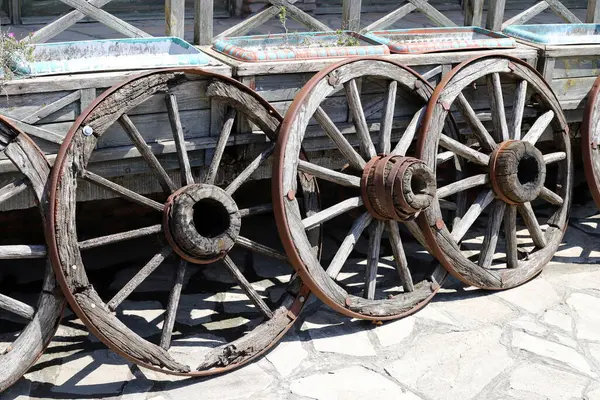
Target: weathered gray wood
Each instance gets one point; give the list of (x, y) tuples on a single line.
[(409, 133), (184, 162), (497, 106), (462, 227), (173, 305), (510, 234), (301, 16), (106, 18), (495, 15), (593, 12), (387, 118), (551, 197), (211, 174), (526, 15), (22, 251), (121, 191), (563, 12), (488, 249), (249, 170), (400, 256), (338, 138), (391, 18), (444, 157), (485, 138), (555, 157), (175, 17), (328, 174), (464, 151), (473, 12), (432, 13), (261, 249), (358, 118), (250, 23), (16, 307), (203, 22), (351, 15), (537, 235), (247, 288), (538, 127), (12, 189), (376, 231), (332, 212), (119, 237), (518, 109), (52, 108), (129, 127), (87, 97), (142, 274), (256, 210), (343, 252), (37, 131), (462, 185)]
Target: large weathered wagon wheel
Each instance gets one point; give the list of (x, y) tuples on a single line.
[(590, 137), (196, 227), (378, 184), (518, 182), (27, 324)]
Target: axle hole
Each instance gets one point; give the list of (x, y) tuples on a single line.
[(418, 184), (210, 218), (528, 170)]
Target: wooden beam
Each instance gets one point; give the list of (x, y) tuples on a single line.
[(495, 15), (203, 22), (593, 12), (175, 17), (351, 15)]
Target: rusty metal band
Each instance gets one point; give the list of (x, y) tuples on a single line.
[(400, 168), (588, 141), (364, 182), (379, 181), (492, 174)]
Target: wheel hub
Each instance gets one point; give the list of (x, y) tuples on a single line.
[(397, 187), (517, 171), (201, 223)]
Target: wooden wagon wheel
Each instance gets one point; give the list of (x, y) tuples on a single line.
[(590, 137), (198, 225), (522, 182), (25, 326), (385, 188)]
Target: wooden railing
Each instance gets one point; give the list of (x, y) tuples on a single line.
[(203, 18)]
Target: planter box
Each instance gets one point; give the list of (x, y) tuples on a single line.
[(110, 55), (428, 40), (299, 46), (556, 34)]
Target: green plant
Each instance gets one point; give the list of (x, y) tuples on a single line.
[(283, 20), (346, 40), (12, 51)]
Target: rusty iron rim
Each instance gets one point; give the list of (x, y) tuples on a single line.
[(55, 180), (587, 145), (427, 230), (492, 174), (278, 195)]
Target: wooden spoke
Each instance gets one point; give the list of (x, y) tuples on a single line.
[(409, 133), (328, 174), (261, 249), (462, 227), (538, 127), (448, 205), (119, 237), (358, 117), (12, 189), (134, 282), (400, 257), (491, 235), (249, 170), (551, 197), (174, 296), (184, 162), (24, 251), (136, 137), (256, 210), (121, 191), (247, 288), (462, 185), (444, 157), (537, 235), (339, 139), (373, 258), (211, 175), (16, 307), (332, 212), (555, 157), (510, 234), (517, 112), (497, 105), (359, 225), (387, 118), (485, 138), (464, 151)]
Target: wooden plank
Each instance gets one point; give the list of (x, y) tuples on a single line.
[(52, 108), (391, 18), (563, 12), (203, 22), (495, 15), (526, 15), (592, 15), (175, 17), (301, 16), (106, 18), (351, 15), (473, 12), (432, 13), (37, 131), (249, 23)]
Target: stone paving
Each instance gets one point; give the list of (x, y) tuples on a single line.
[(537, 341)]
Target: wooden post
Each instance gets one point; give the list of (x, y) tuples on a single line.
[(495, 15), (203, 22), (175, 17), (351, 15), (473, 12), (593, 12), (15, 11)]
